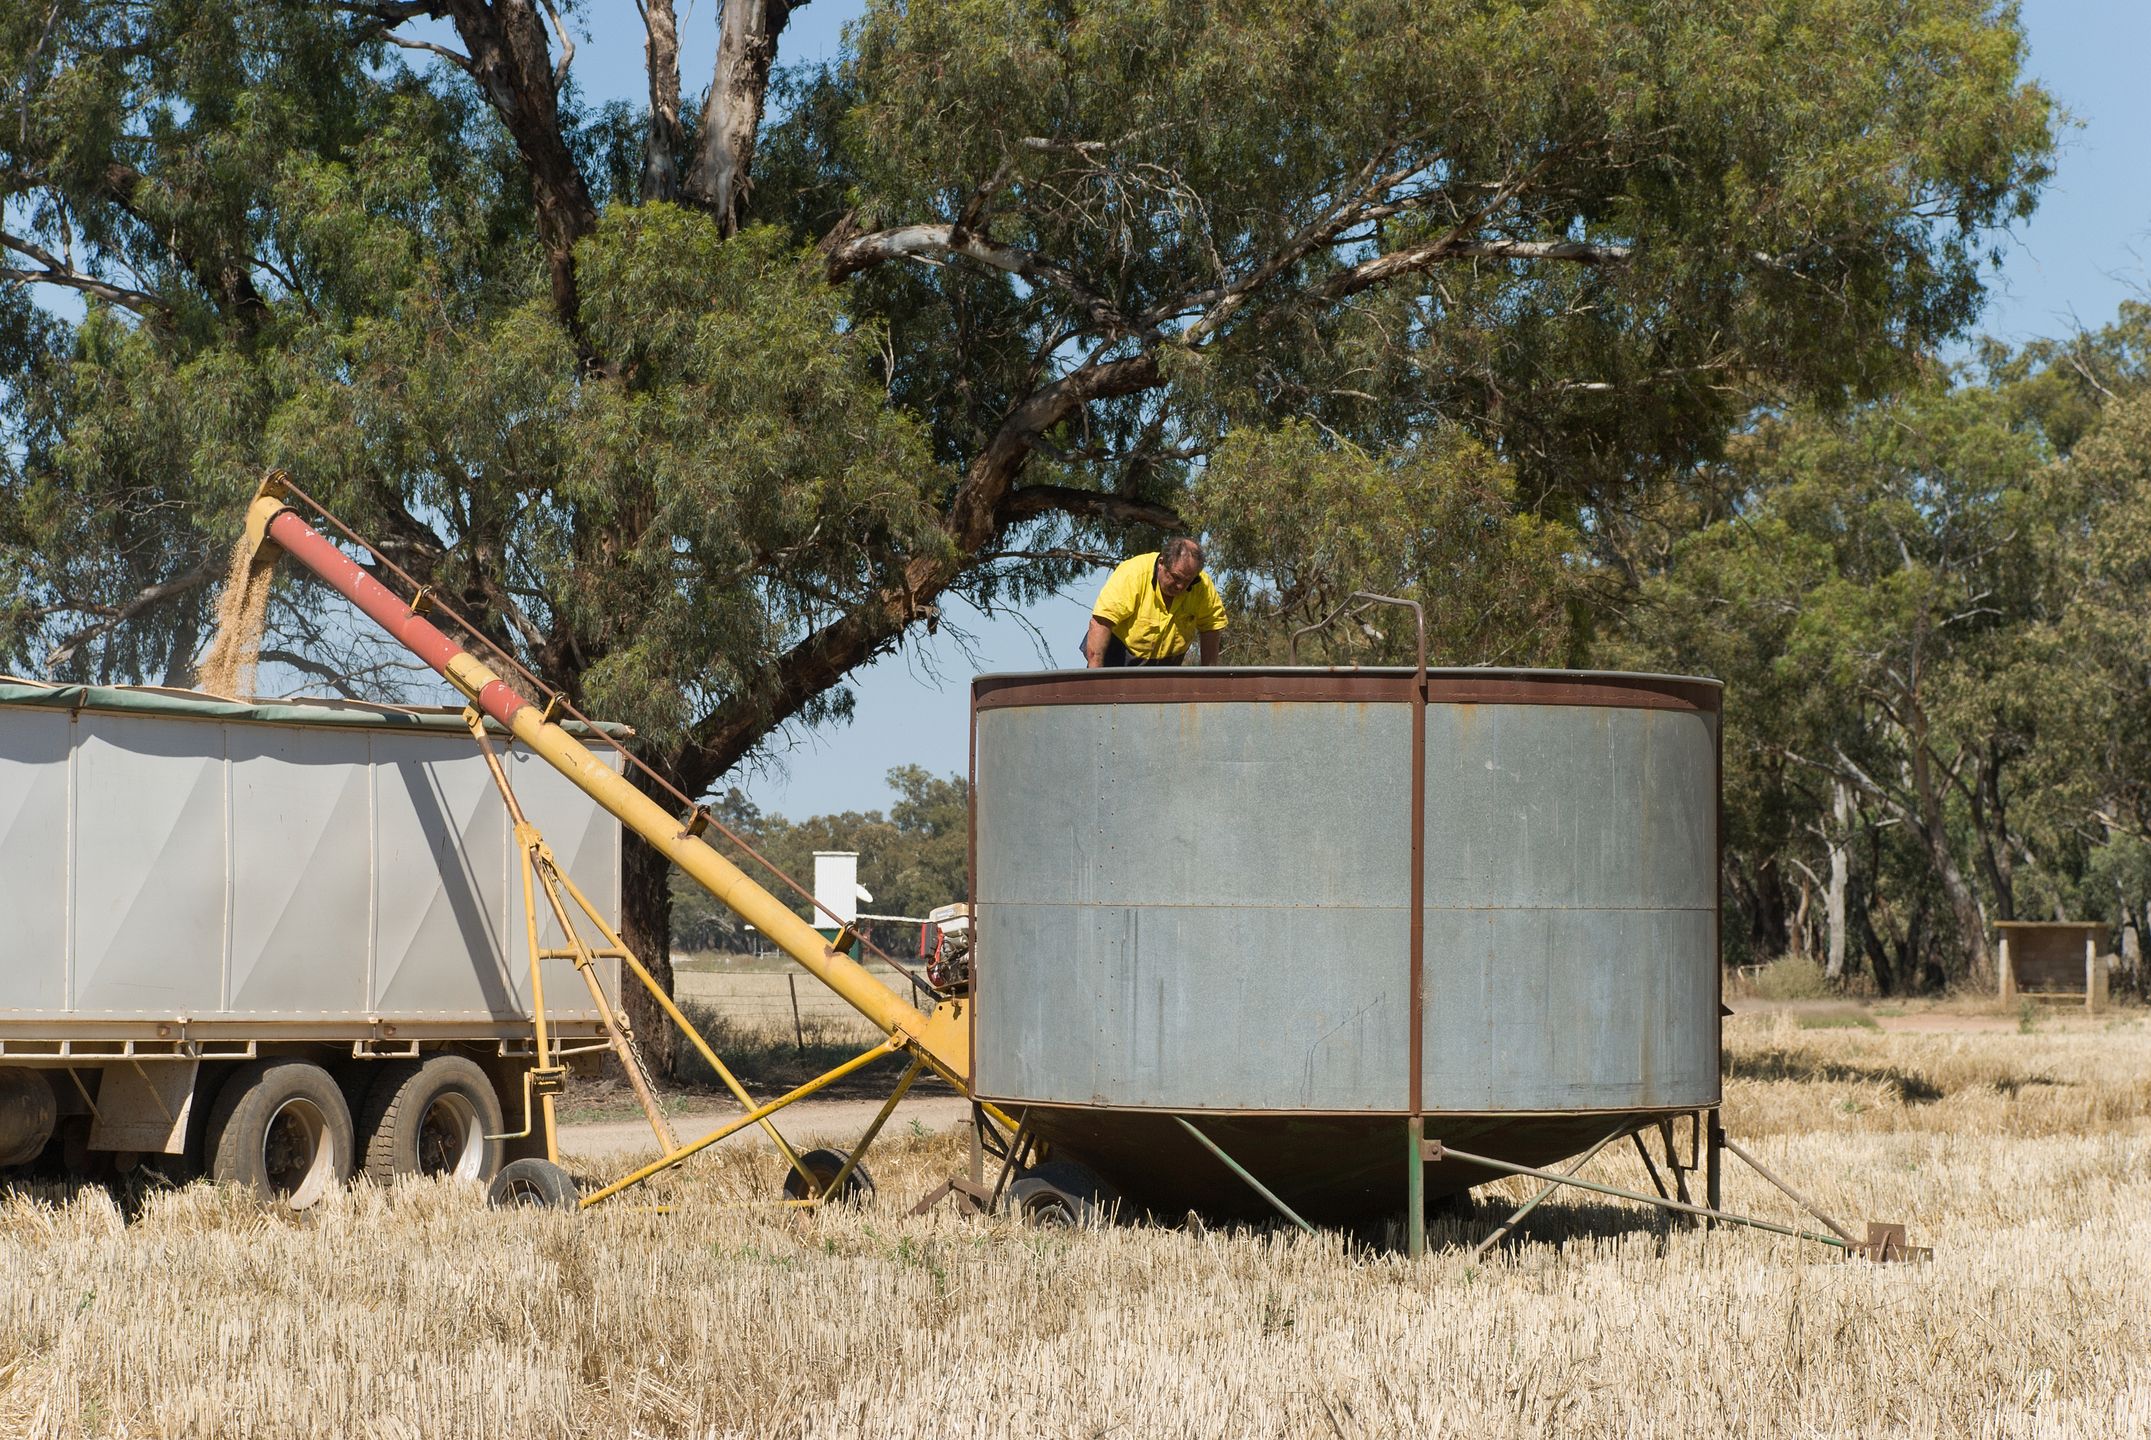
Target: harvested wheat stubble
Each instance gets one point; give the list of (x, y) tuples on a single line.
[(242, 616), (415, 1312)]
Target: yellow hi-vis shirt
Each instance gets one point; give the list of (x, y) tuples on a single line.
[(1131, 605)]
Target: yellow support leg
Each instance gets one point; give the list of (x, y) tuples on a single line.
[(752, 1117)]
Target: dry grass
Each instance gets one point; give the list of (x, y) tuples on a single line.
[(2025, 1160)]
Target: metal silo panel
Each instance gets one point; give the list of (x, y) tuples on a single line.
[(1547, 1009), (442, 889), (302, 869), (1193, 906), (1571, 805), (1571, 945), (34, 857), (149, 866)]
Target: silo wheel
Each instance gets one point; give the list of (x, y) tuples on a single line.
[(823, 1165), (1459, 1206), (1063, 1194), (533, 1182)]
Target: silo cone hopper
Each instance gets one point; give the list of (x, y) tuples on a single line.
[(1304, 944)]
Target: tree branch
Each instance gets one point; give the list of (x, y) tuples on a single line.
[(1034, 500), (1370, 273), (859, 252), (54, 271), (662, 136), (111, 617), (779, 690), (224, 275), (511, 60)]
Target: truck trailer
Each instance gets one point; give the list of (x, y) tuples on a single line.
[(279, 944)]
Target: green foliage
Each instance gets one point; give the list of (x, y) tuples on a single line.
[(1752, 161), (1930, 615), (1298, 523), (913, 859)]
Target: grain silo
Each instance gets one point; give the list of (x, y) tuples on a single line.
[(1204, 896)]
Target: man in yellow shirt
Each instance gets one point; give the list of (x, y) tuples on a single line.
[(1152, 607)]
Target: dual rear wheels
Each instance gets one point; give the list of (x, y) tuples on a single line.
[(284, 1128)]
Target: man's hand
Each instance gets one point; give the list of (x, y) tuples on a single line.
[(1094, 643)]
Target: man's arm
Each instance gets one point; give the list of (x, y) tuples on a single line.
[(1094, 643), (1206, 645)]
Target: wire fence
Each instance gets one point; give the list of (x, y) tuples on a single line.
[(786, 1001)]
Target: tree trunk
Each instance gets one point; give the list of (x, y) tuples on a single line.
[(2132, 949), (1990, 828), (1964, 911), (718, 176), (511, 59), (661, 142), (1835, 895), (646, 926)]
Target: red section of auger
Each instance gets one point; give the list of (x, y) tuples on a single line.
[(417, 634)]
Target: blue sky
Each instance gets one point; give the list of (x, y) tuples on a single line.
[(2087, 249)]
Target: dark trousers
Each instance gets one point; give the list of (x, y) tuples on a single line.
[(1118, 655)]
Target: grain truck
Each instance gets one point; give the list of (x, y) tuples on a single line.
[(279, 944)]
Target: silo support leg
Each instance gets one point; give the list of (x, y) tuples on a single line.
[(1242, 1171), (1438, 1151), (1713, 1161), (1415, 1188), (1516, 1216)]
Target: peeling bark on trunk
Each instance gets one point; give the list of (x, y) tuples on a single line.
[(661, 143), (719, 175)]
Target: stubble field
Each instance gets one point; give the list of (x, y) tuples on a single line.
[(2024, 1159)]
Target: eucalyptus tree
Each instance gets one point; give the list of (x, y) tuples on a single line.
[(698, 407)]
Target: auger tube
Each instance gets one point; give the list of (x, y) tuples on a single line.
[(942, 1039)]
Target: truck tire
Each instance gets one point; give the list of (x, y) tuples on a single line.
[(281, 1128), (437, 1117)]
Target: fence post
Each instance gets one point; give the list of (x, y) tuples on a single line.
[(799, 1031)]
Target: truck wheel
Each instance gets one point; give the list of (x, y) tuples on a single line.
[(533, 1182), (433, 1118), (281, 1127)]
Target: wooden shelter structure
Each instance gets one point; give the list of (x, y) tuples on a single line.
[(2052, 960)]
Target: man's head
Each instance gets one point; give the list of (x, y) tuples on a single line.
[(1179, 562)]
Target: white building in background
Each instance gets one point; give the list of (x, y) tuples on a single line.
[(837, 891)]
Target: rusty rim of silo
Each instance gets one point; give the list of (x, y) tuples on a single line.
[(1225, 685)]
